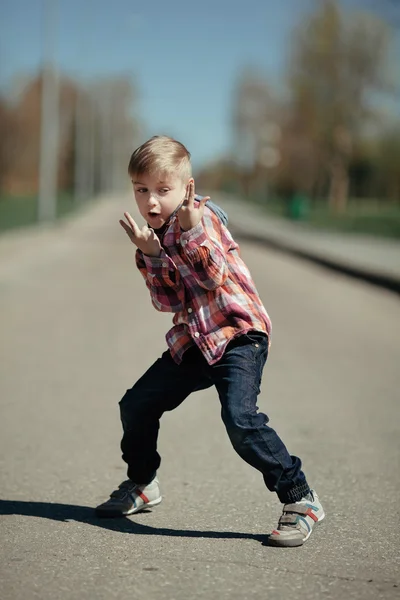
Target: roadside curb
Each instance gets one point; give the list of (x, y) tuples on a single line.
[(357, 257), (373, 277)]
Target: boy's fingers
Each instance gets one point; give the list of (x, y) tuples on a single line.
[(189, 200), (203, 201), (191, 191), (135, 229), (127, 228)]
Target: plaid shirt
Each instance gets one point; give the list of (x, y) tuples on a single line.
[(201, 278)]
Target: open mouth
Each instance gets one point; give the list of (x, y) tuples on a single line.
[(152, 213)]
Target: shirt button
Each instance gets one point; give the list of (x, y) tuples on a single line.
[(196, 335), (190, 310), (164, 265)]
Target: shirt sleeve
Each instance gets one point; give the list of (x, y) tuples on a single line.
[(163, 280), (205, 251)]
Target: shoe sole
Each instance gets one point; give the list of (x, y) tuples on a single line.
[(104, 513), (292, 543)]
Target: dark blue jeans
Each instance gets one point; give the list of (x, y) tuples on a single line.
[(237, 378)]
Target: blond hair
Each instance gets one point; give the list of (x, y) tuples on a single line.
[(161, 155)]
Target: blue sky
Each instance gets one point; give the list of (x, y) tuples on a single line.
[(182, 56)]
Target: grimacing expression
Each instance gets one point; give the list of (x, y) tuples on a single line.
[(158, 196)]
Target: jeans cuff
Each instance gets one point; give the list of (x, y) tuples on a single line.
[(295, 494)]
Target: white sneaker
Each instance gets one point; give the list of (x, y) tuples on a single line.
[(297, 522), (130, 498)]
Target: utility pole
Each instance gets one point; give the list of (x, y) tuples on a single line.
[(85, 116), (80, 145), (49, 127)]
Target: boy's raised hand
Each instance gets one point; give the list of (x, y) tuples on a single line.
[(190, 215), (145, 239)]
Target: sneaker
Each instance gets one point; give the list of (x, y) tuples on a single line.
[(297, 522), (130, 498)]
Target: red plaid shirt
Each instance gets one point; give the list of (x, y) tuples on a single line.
[(201, 278)]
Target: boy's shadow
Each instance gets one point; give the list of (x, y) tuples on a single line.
[(83, 514)]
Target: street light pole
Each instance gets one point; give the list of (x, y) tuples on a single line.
[(49, 127)]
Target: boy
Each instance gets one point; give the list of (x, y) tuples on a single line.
[(192, 268)]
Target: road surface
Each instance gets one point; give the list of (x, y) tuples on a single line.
[(77, 329)]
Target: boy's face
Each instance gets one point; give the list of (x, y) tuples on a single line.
[(158, 196)]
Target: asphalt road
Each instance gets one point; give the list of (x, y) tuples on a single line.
[(77, 329)]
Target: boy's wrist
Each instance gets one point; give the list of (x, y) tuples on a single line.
[(155, 260), (195, 236)]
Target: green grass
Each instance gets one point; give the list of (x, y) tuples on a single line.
[(361, 217), (18, 211), (384, 222)]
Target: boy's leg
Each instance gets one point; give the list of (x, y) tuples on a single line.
[(162, 388), (237, 377)]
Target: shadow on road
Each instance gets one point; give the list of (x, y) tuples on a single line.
[(83, 514)]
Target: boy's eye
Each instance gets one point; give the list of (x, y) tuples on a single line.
[(164, 190), (141, 190)]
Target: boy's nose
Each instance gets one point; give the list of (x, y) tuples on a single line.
[(152, 201)]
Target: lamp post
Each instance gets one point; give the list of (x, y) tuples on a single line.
[(49, 125)]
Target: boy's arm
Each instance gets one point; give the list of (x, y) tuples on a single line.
[(204, 248), (159, 271), (163, 280)]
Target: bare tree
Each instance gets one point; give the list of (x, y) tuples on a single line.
[(4, 130), (254, 127)]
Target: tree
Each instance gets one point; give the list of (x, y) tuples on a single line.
[(338, 69), (96, 135), (254, 125), (389, 161), (4, 135)]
